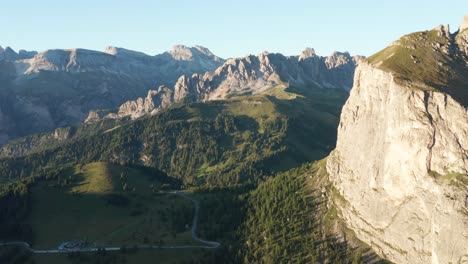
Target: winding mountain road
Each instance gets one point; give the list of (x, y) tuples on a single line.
[(61, 249)]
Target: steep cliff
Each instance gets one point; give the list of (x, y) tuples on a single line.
[(400, 166)]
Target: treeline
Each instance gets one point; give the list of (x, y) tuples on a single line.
[(173, 145), (221, 211), (14, 207), (279, 221), (281, 224)]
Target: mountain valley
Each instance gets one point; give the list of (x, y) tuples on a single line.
[(185, 157)]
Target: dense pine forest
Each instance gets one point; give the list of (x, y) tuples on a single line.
[(285, 219)]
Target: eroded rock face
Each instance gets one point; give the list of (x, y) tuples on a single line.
[(153, 103), (400, 165), (255, 74)]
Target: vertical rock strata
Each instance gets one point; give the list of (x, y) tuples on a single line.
[(401, 166)]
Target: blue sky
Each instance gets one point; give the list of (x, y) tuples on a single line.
[(227, 28)]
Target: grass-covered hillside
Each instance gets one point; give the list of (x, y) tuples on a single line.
[(428, 60), (108, 205), (104, 204), (218, 142)]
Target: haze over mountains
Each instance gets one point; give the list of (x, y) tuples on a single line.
[(244, 76), (58, 88)]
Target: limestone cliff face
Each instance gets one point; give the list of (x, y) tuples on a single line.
[(401, 165)]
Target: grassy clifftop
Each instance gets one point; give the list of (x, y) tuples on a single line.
[(428, 60)]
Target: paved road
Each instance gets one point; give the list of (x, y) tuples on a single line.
[(207, 244)]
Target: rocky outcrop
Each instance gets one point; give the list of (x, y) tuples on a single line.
[(461, 38), (464, 24), (201, 55), (153, 103), (400, 166), (255, 74)]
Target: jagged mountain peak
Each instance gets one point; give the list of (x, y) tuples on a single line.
[(203, 50), (8, 49), (122, 52), (181, 52), (185, 53), (338, 59), (340, 53), (307, 53), (464, 24), (443, 30), (8, 54)]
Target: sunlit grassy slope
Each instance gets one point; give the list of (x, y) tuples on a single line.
[(109, 205), (426, 60)]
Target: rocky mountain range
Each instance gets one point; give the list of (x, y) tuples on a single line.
[(243, 76), (58, 88), (397, 179), (400, 167)]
